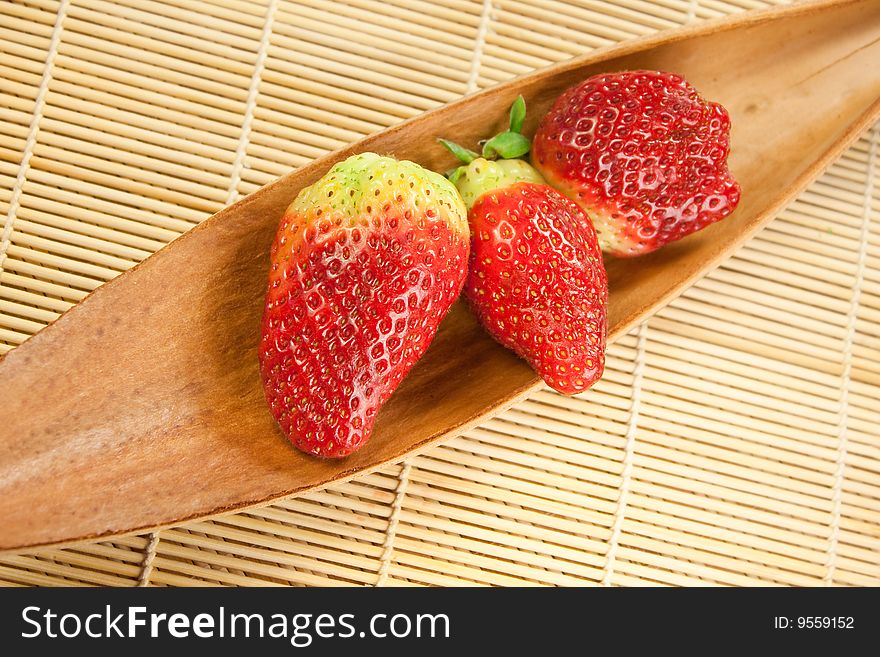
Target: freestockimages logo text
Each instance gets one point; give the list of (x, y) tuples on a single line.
[(300, 629)]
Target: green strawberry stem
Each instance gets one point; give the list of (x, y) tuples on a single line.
[(517, 114), (462, 153), (508, 145)]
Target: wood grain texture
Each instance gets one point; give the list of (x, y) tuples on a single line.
[(142, 406)]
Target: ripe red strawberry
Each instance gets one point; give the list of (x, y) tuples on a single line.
[(536, 279), (643, 154), (365, 264)]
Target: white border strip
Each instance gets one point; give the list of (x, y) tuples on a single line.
[(149, 557), (842, 437), (479, 46), (691, 12), (253, 91), (629, 449), (393, 520), (33, 131)]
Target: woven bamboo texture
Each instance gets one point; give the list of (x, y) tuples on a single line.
[(735, 437)]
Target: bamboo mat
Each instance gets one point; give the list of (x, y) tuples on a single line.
[(735, 437)]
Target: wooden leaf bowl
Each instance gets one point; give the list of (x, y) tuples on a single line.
[(142, 406)]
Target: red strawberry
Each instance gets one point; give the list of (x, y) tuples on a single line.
[(643, 154), (365, 264), (536, 279)]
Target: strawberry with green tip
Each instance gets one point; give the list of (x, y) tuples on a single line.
[(643, 154), (536, 279), (365, 264)]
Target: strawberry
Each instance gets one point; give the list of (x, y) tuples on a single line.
[(365, 264), (643, 154), (536, 279)]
